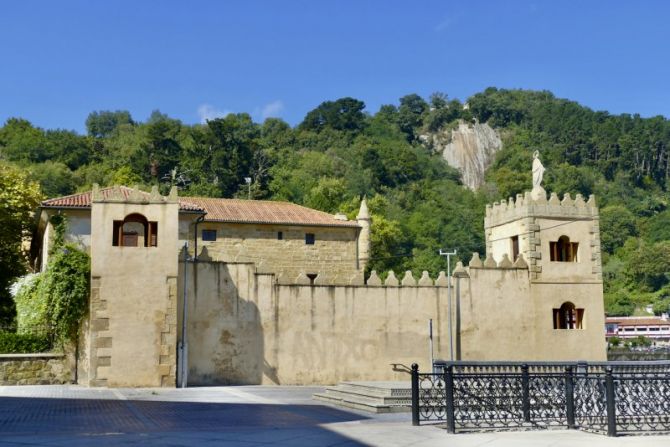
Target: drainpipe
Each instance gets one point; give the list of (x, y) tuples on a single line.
[(183, 346), (195, 237)]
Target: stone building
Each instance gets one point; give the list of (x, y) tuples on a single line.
[(276, 293), (277, 236)]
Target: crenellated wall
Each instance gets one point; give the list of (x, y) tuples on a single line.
[(246, 326)]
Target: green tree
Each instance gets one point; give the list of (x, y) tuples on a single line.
[(344, 114), (648, 266), (21, 142), (411, 114), (19, 198), (55, 178), (102, 123), (617, 224), (657, 227), (327, 195)]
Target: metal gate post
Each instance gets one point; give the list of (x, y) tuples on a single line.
[(415, 394), (449, 397), (569, 397), (611, 407), (525, 389)]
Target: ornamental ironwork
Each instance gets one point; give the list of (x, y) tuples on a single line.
[(605, 397)]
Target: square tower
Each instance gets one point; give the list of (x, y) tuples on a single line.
[(131, 338), (560, 241)]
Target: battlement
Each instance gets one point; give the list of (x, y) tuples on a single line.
[(408, 279), (526, 206)]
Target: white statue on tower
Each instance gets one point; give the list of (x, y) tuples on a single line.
[(538, 172)]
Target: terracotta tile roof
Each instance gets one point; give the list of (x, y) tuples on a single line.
[(224, 210), (639, 321), (83, 200), (265, 212)]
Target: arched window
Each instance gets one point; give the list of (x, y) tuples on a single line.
[(563, 250), (135, 231), (568, 317)]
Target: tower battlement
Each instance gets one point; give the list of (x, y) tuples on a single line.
[(526, 206)]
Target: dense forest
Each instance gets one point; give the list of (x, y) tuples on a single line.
[(340, 152)]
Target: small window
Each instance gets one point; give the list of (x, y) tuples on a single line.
[(135, 231), (209, 235), (642, 329), (309, 238), (629, 329), (515, 247), (563, 250), (654, 329), (280, 235), (568, 317)]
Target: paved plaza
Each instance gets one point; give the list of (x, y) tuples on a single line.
[(235, 416)]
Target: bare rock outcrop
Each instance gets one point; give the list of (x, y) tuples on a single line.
[(470, 148)]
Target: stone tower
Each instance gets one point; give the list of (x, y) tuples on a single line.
[(131, 336), (365, 221), (559, 242)]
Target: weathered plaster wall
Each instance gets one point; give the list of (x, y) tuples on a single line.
[(497, 315), (35, 369), (133, 318), (334, 250), (587, 343), (243, 328), (507, 316)]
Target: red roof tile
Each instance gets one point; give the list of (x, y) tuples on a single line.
[(83, 200), (265, 212), (637, 321), (224, 210)]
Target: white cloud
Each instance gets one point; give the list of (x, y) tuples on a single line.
[(209, 112), (272, 109)]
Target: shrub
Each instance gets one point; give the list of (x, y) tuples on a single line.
[(11, 343)]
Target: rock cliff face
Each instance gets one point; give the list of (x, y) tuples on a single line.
[(470, 148)]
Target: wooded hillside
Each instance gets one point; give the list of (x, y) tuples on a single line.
[(340, 153)]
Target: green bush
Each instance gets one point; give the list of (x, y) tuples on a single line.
[(52, 303), (11, 343)]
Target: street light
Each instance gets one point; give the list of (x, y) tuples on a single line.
[(449, 254)]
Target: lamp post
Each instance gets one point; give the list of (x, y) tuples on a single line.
[(449, 254)]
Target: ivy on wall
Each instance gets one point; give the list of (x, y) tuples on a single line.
[(53, 302)]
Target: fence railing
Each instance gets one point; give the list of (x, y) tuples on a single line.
[(612, 398)]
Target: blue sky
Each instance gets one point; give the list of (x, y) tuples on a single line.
[(198, 59)]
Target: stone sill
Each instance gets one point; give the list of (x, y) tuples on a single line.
[(42, 355)]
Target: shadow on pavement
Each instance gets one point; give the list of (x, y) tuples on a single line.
[(48, 416)]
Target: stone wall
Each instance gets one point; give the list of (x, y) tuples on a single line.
[(334, 250), (246, 328), (34, 369)]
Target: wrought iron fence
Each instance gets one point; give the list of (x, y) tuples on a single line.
[(612, 398)]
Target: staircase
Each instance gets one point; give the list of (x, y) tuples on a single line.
[(374, 397)]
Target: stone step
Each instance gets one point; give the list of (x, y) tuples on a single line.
[(336, 393), (375, 397), (390, 389), (358, 404)]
